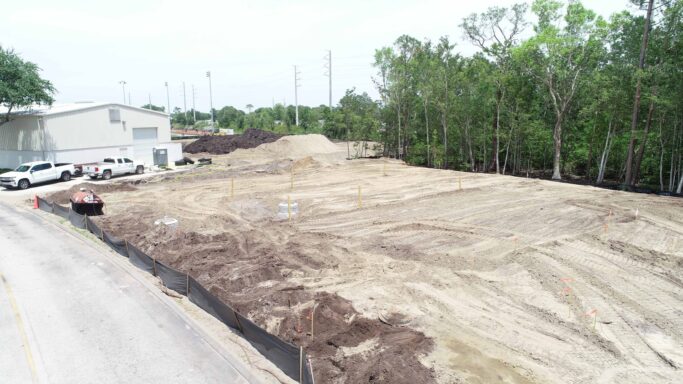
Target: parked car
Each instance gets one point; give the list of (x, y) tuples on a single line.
[(113, 166), (36, 172)]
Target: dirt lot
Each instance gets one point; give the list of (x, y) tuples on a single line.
[(439, 276)]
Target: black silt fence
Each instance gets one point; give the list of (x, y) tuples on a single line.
[(289, 358), (44, 205), (141, 260), (77, 220), (283, 354), (93, 228), (61, 211), (201, 297), (172, 279), (118, 245)]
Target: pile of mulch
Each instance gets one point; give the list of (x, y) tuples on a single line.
[(248, 270), (219, 145)]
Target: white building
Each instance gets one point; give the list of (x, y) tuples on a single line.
[(85, 132)]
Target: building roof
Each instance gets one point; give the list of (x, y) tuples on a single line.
[(54, 109)]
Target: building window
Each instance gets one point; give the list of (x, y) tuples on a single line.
[(114, 115)]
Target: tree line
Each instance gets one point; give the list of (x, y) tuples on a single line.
[(554, 90), (569, 95), (580, 96)]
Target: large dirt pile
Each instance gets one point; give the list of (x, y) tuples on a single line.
[(296, 146), (225, 144)]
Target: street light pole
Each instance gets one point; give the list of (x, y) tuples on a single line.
[(123, 87), (208, 74), (168, 100)]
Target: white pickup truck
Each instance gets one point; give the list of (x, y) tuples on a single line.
[(36, 172), (113, 166)]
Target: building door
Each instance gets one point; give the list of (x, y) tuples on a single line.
[(144, 141)]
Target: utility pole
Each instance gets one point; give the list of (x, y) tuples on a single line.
[(149, 101), (123, 87), (296, 94), (328, 66), (185, 103), (129, 102), (208, 74), (194, 110), (168, 101)]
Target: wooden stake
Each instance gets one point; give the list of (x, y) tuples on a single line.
[(237, 320), (313, 319), (187, 284), (384, 168), (310, 363), (459, 183), (360, 197), (301, 365)]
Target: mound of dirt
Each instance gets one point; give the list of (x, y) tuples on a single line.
[(249, 270), (296, 146), (62, 197), (225, 144)]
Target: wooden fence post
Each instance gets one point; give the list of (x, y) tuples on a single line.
[(301, 365)]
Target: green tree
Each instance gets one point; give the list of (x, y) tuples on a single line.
[(559, 55), (20, 83)]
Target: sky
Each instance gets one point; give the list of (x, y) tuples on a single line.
[(86, 48)]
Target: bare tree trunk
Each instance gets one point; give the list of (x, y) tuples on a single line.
[(661, 157), (557, 139), (636, 101), (590, 148), (495, 145), (643, 142), (427, 129), (671, 163), (468, 140), (398, 144), (497, 137), (444, 124), (605, 154), (507, 150), (444, 120)]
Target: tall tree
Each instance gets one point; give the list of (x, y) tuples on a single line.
[(559, 56), (636, 100), (495, 32), (20, 83)]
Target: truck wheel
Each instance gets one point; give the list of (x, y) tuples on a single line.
[(106, 175), (140, 169), (66, 176), (24, 184)]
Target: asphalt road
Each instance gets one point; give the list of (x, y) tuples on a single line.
[(70, 313)]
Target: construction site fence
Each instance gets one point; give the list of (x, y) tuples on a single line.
[(292, 360)]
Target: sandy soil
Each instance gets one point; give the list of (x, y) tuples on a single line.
[(430, 274)]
